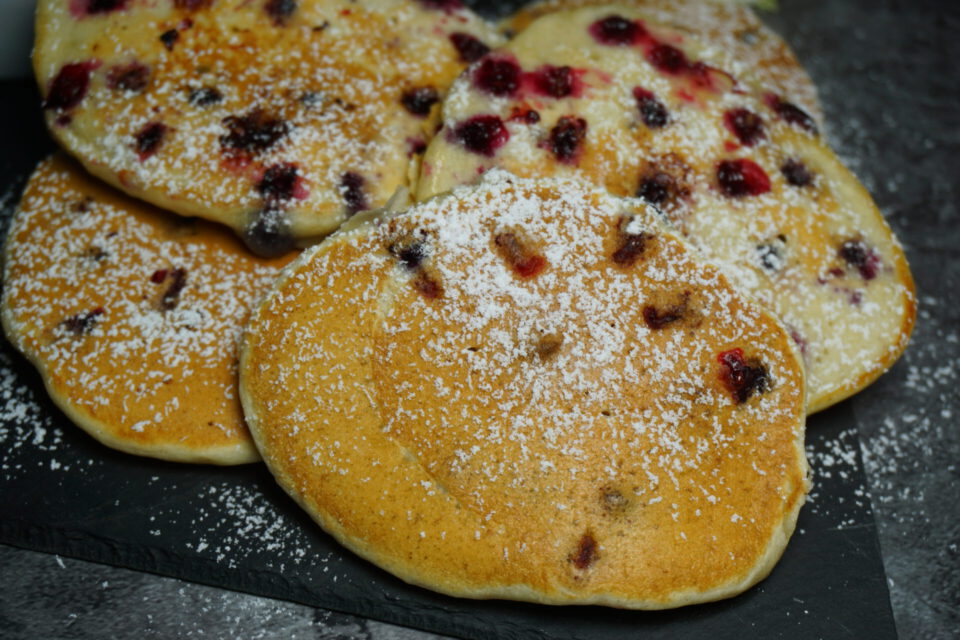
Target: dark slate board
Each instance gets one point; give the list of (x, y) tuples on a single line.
[(61, 492)]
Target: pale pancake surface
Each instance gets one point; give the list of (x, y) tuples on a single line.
[(744, 175), (733, 37), (132, 316), (518, 391), (279, 119)]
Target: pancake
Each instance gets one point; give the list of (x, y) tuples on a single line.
[(279, 119), (628, 105), (534, 391), (132, 316), (733, 37)]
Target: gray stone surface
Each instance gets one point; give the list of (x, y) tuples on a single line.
[(889, 83)]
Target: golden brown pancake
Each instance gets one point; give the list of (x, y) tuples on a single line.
[(531, 390), (734, 39), (279, 119), (629, 105), (132, 316)]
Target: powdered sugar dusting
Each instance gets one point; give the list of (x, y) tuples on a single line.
[(235, 95), (128, 315), (776, 212), (525, 395)]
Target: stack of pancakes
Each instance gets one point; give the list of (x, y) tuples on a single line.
[(585, 284)]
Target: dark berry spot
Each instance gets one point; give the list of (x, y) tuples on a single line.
[(82, 323), (616, 31), (280, 10), (482, 134), (410, 254), (352, 191), (791, 113), (743, 177), (427, 286), (94, 7), (586, 553), (94, 253), (524, 261), (191, 5), (280, 182), (159, 276), (253, 132), (566, 138), (796, 173), (746, 125), (469, 48), (497, 76), (799, 340), (524, 114), (82, 205), (419, 100), (659, 318), (268, 235), (741, 377), (312, 99), (178, 280), (652, 111), (548, 346), (128, 77), (668, 59), (612, 500), (556, 82), (857, 254), (416, 146), (149, 139), (447, 6), (69, 86), (771, 256), (169, 38), (631, 246), (656, 188), (204, 96)]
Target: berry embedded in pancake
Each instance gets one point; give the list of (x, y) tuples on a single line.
[(531, 390), (734, 38), (630, 105), (279, 119), (132, 316)]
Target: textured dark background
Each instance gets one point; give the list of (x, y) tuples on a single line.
[(889, 82)]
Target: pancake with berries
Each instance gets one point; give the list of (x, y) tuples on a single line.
[(734, 38), (132, 316), (531, 390), (280, 119), (629, 105)]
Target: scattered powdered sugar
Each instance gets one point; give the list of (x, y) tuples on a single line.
[(910, 442), (232, 523), (129, 315), (521, 370), (235, 96), (782, 242)]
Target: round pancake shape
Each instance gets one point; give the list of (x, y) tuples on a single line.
[(732, 35), (279, 119), (628, 105), (531, 390), (132, 316)]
